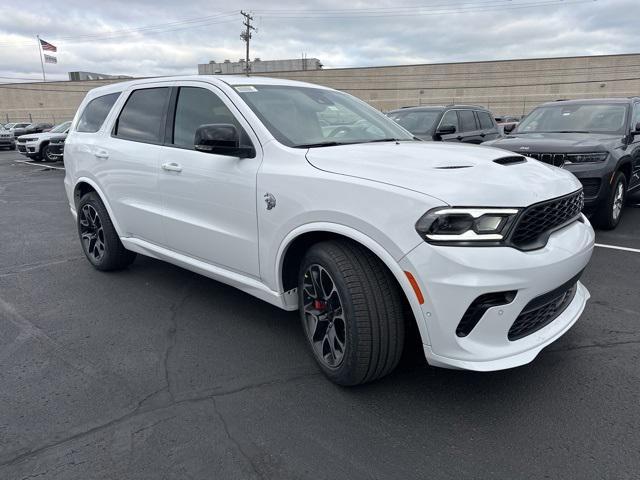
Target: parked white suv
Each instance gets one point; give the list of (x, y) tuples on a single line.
[(36, 145), (310, 199)]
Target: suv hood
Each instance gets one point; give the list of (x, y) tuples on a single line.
[(42, 136), (556, 142), (456, 174)]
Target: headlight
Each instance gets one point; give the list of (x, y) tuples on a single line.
[(586, 157), (469, 226)]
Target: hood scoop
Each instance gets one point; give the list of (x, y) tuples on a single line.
[(453, 167), (510, 160)]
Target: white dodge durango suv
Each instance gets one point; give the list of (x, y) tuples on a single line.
[(311, 200)]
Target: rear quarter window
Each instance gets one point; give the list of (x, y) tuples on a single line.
[(95, 113)]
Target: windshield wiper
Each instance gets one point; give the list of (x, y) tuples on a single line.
[(382, 140), (320, 144)]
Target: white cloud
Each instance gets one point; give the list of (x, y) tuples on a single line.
[(594, 27)]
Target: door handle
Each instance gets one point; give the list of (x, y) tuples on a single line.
[(172, 167), (101, 154)]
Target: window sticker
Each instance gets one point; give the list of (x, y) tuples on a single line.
[(245, 88)]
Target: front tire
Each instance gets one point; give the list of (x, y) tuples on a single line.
[(46, 154), (100, 241), (351, 311), (610, 212)]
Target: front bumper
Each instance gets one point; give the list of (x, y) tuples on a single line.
[(451, 278), (595, 179), (29, 149)]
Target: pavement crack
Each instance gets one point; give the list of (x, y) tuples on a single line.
[(244, 454), (139, 410), (27, 267), (595, 345), (172, 333)]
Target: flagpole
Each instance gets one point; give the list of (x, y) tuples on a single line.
[(44, 78)]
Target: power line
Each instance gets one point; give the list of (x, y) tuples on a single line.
[(106, 37), (343, 14), (197, 22), (397, 7)]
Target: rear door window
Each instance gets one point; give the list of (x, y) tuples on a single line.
[(95, 113), (142, 117), (485, 120), (467, 120)]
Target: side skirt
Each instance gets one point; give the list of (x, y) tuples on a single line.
[(287, 300)]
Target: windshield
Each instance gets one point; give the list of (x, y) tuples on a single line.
[(416, 121), (60, 128), (575, 118), (312, 117)]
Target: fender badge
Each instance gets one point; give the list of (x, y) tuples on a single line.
[(524, 148), (270, 200)]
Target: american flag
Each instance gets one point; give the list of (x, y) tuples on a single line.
[(47, 46)]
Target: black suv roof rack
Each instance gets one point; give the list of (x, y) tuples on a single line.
[(465, 105)]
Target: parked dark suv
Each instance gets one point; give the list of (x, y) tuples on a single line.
[(451, 123), (597, 140)]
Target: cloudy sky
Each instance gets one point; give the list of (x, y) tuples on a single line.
[(163, 37)]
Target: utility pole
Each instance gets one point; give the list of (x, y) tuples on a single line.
[(246, 36)]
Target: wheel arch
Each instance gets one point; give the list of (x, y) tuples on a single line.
[(301, 239), (625, 167), (85, 185)]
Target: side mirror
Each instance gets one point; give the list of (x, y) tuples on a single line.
[(221, 139), (446, 130), (509, 127)]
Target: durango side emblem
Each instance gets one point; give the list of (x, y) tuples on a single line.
[(524, 148), (270, 200)]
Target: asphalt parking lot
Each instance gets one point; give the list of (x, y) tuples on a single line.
[(156, 372)]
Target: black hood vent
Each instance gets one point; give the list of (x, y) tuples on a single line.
[(452, 167), (510, 160)]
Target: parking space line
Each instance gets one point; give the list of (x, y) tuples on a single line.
[(41, 165), (615, 247)]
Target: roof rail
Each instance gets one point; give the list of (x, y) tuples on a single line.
[(466, 105)]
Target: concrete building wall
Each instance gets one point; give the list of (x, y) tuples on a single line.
[(47, 102), (506, 87)]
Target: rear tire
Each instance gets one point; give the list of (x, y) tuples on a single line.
[(99, 239), (351, 311), (608, 215)]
